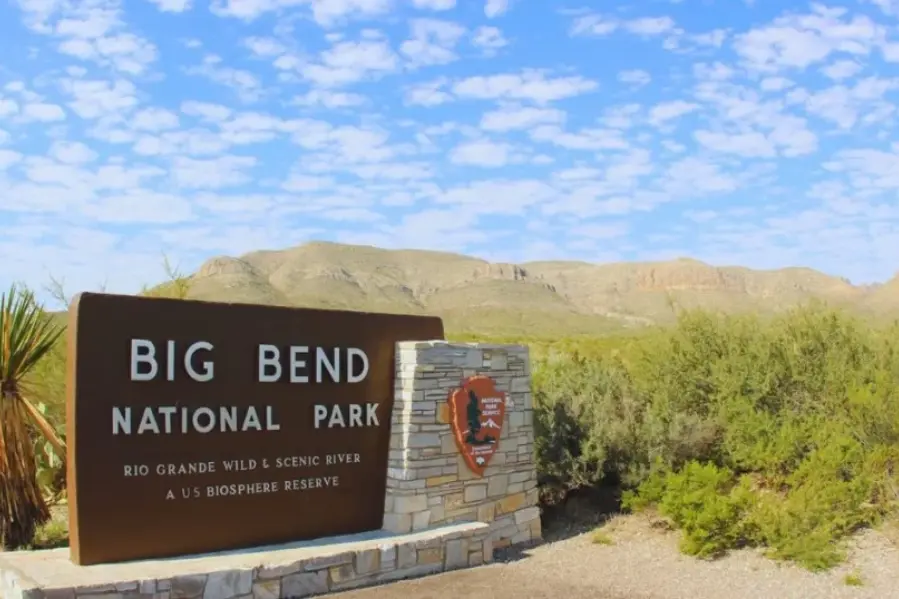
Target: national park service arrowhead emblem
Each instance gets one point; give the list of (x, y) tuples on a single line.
[(477, 410)]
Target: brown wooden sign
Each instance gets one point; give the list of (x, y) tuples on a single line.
[(197, 427), (477, 410)]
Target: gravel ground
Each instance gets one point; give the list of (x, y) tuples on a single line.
[(644, 563)]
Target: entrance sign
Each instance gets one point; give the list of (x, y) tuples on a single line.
[(477, 410), (198, 427)]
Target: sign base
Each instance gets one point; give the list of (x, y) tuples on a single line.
[(293, 570)]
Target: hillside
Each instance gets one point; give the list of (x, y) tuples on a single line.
[(538, 298)]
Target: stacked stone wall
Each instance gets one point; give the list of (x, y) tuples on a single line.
[(428, 481)]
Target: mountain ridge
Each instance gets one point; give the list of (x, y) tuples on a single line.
[(473, 294)]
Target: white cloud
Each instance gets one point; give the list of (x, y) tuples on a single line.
[(529, 85), (243, 83), (434, 4), (432, 93), (94, 98), (43, 112), (650, 26), (483, 153), (495, 8), (635, 77), (348, 62), (206, 111), (489, 39), (324, 12), (798, 41), (517, 117), (8, 158), (666, 111), (594, 24), (264, 46), (71, 152), (329, 99), (172, 5), (154, 119), (842, 69), (227, 171), (432, 42)]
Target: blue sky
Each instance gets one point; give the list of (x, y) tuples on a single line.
[(754, 133)]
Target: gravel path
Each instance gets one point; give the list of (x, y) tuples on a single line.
[(644, 563)]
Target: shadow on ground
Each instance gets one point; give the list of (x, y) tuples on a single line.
[(582, 511)]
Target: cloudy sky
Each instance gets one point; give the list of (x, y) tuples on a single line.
[(760, 133)]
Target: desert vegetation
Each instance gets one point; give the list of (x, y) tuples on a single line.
[(780, 433)]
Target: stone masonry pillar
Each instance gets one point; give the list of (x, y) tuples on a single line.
[(428, 482)]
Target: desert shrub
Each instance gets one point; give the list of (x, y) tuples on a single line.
[(584, 422), (709, 504), (782, 433)]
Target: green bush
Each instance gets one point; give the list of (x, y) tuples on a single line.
[(781, 433)]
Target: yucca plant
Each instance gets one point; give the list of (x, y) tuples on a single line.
[(27, 333)]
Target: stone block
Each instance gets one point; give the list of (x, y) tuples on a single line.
[(527, 514), (486, 512), (407, 504), (436, 481), (398, 523), (474, 493), (516, 420), (147, 587), (267, 589), (475, 559), (424, 440), (443, 413), (431, 555), (305, 584), (327, 561), (432, 472), (520, 477), (448, 444), (510, 504), (406, 556), (536, 529), (188, 587), (388, 555), (341, 574), (520, 384), (497, 485), (522, 537), (228, 584), (465, 515), (487, 550), (454, 501), (421, 520), (367, 562), (456, 554)]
